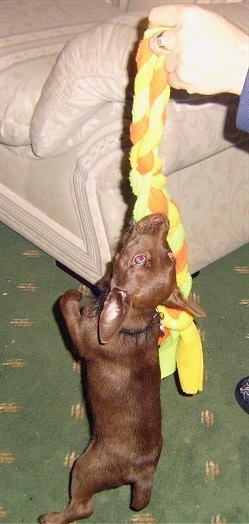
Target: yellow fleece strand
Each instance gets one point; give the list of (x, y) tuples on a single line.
[(181, 346)]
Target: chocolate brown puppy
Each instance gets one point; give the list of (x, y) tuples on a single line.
[(117, 335)]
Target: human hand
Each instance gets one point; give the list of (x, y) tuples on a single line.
[(204, 53)]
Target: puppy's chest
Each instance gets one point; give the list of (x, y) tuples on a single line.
[(119, 367), (121, 388)]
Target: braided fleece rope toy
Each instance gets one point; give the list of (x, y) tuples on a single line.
[(181, 346)]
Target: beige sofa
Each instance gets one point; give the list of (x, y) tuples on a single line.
[(64, 135)]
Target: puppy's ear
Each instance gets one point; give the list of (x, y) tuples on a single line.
[(113, 315), (176, 300)]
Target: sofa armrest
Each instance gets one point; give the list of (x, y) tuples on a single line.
[(30, 40), (92, 70)]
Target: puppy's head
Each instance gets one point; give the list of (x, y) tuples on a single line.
[(143, 275), (144, 267)]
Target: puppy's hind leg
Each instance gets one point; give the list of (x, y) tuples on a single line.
[(80, 505), (77, 509), (141, 490), (74, 511), (89, 476)]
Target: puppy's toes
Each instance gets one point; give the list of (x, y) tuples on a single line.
[(50, 518)]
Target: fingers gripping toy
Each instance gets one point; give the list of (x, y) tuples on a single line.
[(181, 346)]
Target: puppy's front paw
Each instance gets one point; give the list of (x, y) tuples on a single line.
[(72, 295)]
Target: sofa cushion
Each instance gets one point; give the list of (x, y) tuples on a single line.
[(33, 33), (20, 90)]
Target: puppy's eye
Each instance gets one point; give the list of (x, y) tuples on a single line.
[(139, 259)]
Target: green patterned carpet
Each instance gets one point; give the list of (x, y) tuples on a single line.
[(203, 473)]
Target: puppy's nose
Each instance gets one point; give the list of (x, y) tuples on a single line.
[(159, 218), (154, 223), (159, 221)]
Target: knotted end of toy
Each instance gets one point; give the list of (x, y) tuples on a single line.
[(181, 349)]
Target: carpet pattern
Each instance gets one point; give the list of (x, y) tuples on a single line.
[(203, 473)]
